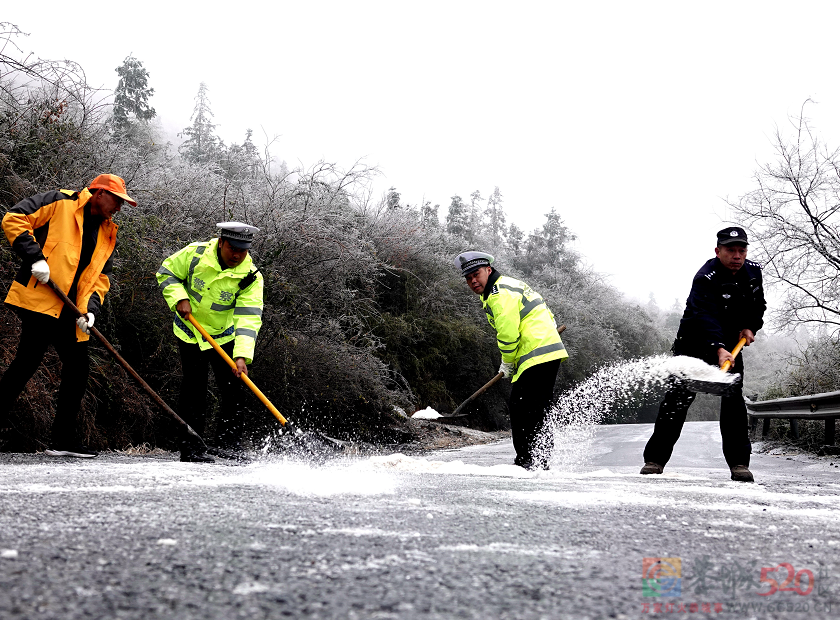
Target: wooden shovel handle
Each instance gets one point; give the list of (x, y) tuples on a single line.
[(727, 364), (488, 385), (263, 398)]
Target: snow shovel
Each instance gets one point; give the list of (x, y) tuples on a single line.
[(718, 388), (457, 413), (125, 365), (285, 422)]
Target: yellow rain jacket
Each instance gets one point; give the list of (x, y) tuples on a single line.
[(49, 226), (525, 328), (228, 303)]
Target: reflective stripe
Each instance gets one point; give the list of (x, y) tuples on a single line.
[(200, 249), (183, 327), (513, 350), (530, 306), (193, 264), (488, 310), (242, 331), (250, 310), (220, 307), (503, 342), (521, 291), (227, 332), (167, 282), (164, 271), (549, 348)]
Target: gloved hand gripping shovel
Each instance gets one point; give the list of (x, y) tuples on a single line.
[(718, 388), (126, 366), (457, 413), (292, 431)]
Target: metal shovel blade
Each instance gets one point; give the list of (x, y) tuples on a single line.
[(716, 388)]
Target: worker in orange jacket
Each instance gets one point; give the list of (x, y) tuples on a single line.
[(68, 237)]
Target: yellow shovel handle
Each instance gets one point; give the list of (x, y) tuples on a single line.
[(232, 364), (735, 353)]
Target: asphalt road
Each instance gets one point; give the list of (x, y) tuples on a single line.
[(460, 534)]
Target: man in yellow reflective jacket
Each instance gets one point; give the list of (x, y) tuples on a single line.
[(531, 350), (67, 237), (217, 283)]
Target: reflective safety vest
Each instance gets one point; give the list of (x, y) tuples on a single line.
[(526, 331), (228, 303)]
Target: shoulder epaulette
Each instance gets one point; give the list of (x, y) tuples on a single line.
[(495, 289), (752, 263)]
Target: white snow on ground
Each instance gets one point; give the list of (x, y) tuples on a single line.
[(335, 478), (402, 463), (733, 497), (251, 587), (426, 414), (358, 532), (516, 550), (167, 542), (46, 488)]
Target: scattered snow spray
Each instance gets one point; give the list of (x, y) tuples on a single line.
[(571, 423)]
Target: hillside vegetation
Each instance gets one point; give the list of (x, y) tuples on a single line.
[(365, 314)]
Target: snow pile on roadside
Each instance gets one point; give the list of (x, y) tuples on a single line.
[(426, 414)]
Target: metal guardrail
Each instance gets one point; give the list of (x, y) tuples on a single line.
[(824, 406)]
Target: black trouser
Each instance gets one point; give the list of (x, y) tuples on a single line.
[(734, 424), (192, 403), (530, 397), (39, 331)]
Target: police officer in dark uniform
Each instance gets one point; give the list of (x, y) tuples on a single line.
[(726, 304)]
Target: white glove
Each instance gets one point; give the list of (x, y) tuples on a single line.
[(506, 370), (85, 322), (41, 271)]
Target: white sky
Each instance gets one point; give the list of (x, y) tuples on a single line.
[(633, 119)]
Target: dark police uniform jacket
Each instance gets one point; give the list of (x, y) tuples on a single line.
[(719, 306)]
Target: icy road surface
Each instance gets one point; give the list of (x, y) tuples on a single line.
[(459, 534)]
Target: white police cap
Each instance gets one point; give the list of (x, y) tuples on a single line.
[(468, 262), (240, 235)]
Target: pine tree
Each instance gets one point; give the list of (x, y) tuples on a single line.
[(429, 215), (392, 198), (514, 241), (131, 98), (456, 219), (497, 217), (201, 146), (473, 217)]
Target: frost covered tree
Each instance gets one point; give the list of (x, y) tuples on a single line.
[(496, 214), (131, 98), (515, 239), (392, 198), (429, 215), (457, 222), (474, 216), (201, 145), (793, 216)]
